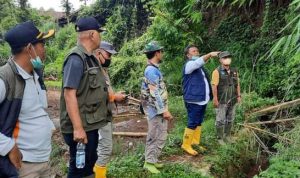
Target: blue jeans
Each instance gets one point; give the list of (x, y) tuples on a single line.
[(195, 114), (90, 154)]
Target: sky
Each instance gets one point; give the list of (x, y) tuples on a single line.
[(55, 4)]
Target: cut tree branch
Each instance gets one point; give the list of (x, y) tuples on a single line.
[(269, 133), (274, 121), (276, 108)]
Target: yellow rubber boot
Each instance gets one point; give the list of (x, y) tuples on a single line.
[(100, 172), (197, 138), (187, 141)]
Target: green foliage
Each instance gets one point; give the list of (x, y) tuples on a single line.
[(126, 73), (57, 49), (116, 28), (131, 165), (251, 101), (124, 20), (4, 53), (56, 163), (286, 162)]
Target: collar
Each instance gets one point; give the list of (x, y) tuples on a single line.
[(24, 74), (152, 64), (82, 48), (222, 68)]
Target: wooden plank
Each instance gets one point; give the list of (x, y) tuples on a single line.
[(274, 121), (276, 108), (130, 134)]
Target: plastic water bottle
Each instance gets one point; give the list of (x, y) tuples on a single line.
[(80, 156)]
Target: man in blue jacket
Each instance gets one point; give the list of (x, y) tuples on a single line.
[(196, 93)]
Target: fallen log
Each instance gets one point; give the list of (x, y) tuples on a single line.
[(269, 133), (276, 108), (274, 121), (130, 134)]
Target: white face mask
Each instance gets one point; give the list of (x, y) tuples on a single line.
[(226, 61)]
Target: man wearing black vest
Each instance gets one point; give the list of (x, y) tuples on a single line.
[(84, 99), (226, 92), (196, 94)]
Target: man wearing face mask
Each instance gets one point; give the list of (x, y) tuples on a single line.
[(84, 100), (226, 93), (104, 54), (196, 95), (25, 126)]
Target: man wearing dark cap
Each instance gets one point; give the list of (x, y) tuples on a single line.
[(84, 100), (196, 94), (226, 93), (25, 126), (105, 143), (154, 98)]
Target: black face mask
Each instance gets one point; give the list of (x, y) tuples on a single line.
[(106, 63)]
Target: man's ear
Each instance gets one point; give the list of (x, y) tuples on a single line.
[(28, 48)]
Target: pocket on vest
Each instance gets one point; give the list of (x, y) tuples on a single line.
[(94, 83), (93, 112)]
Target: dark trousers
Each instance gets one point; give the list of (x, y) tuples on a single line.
[(195, 114), (90, 155)]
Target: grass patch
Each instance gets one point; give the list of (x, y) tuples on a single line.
[(53, 84)]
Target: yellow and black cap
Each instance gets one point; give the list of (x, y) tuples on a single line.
[(25, 33), (88, 23)]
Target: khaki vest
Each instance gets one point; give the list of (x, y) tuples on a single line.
[(227, 88), (92, 95)]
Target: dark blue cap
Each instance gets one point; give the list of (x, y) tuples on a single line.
[(25, 33), (87, 23)]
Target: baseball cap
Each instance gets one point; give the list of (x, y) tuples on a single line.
[(224, 54), (87, 23), (152, 46), (25, 33), (106, 46)]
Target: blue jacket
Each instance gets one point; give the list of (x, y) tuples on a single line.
[(194, 86), (10, 109)]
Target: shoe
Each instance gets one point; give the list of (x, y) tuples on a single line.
[(187, 142), (220, 135), (158, 165), (227, 132), (100, 172), (151, 168), (221, 142)]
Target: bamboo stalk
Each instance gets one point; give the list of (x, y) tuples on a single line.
[(275, 121), (275, 108), (130, 134), (266, 132)]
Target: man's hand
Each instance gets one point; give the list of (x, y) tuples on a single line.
[(167, 115), (79, 135), (120, 96), (214, 54), (15, 157), (216, 102)]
